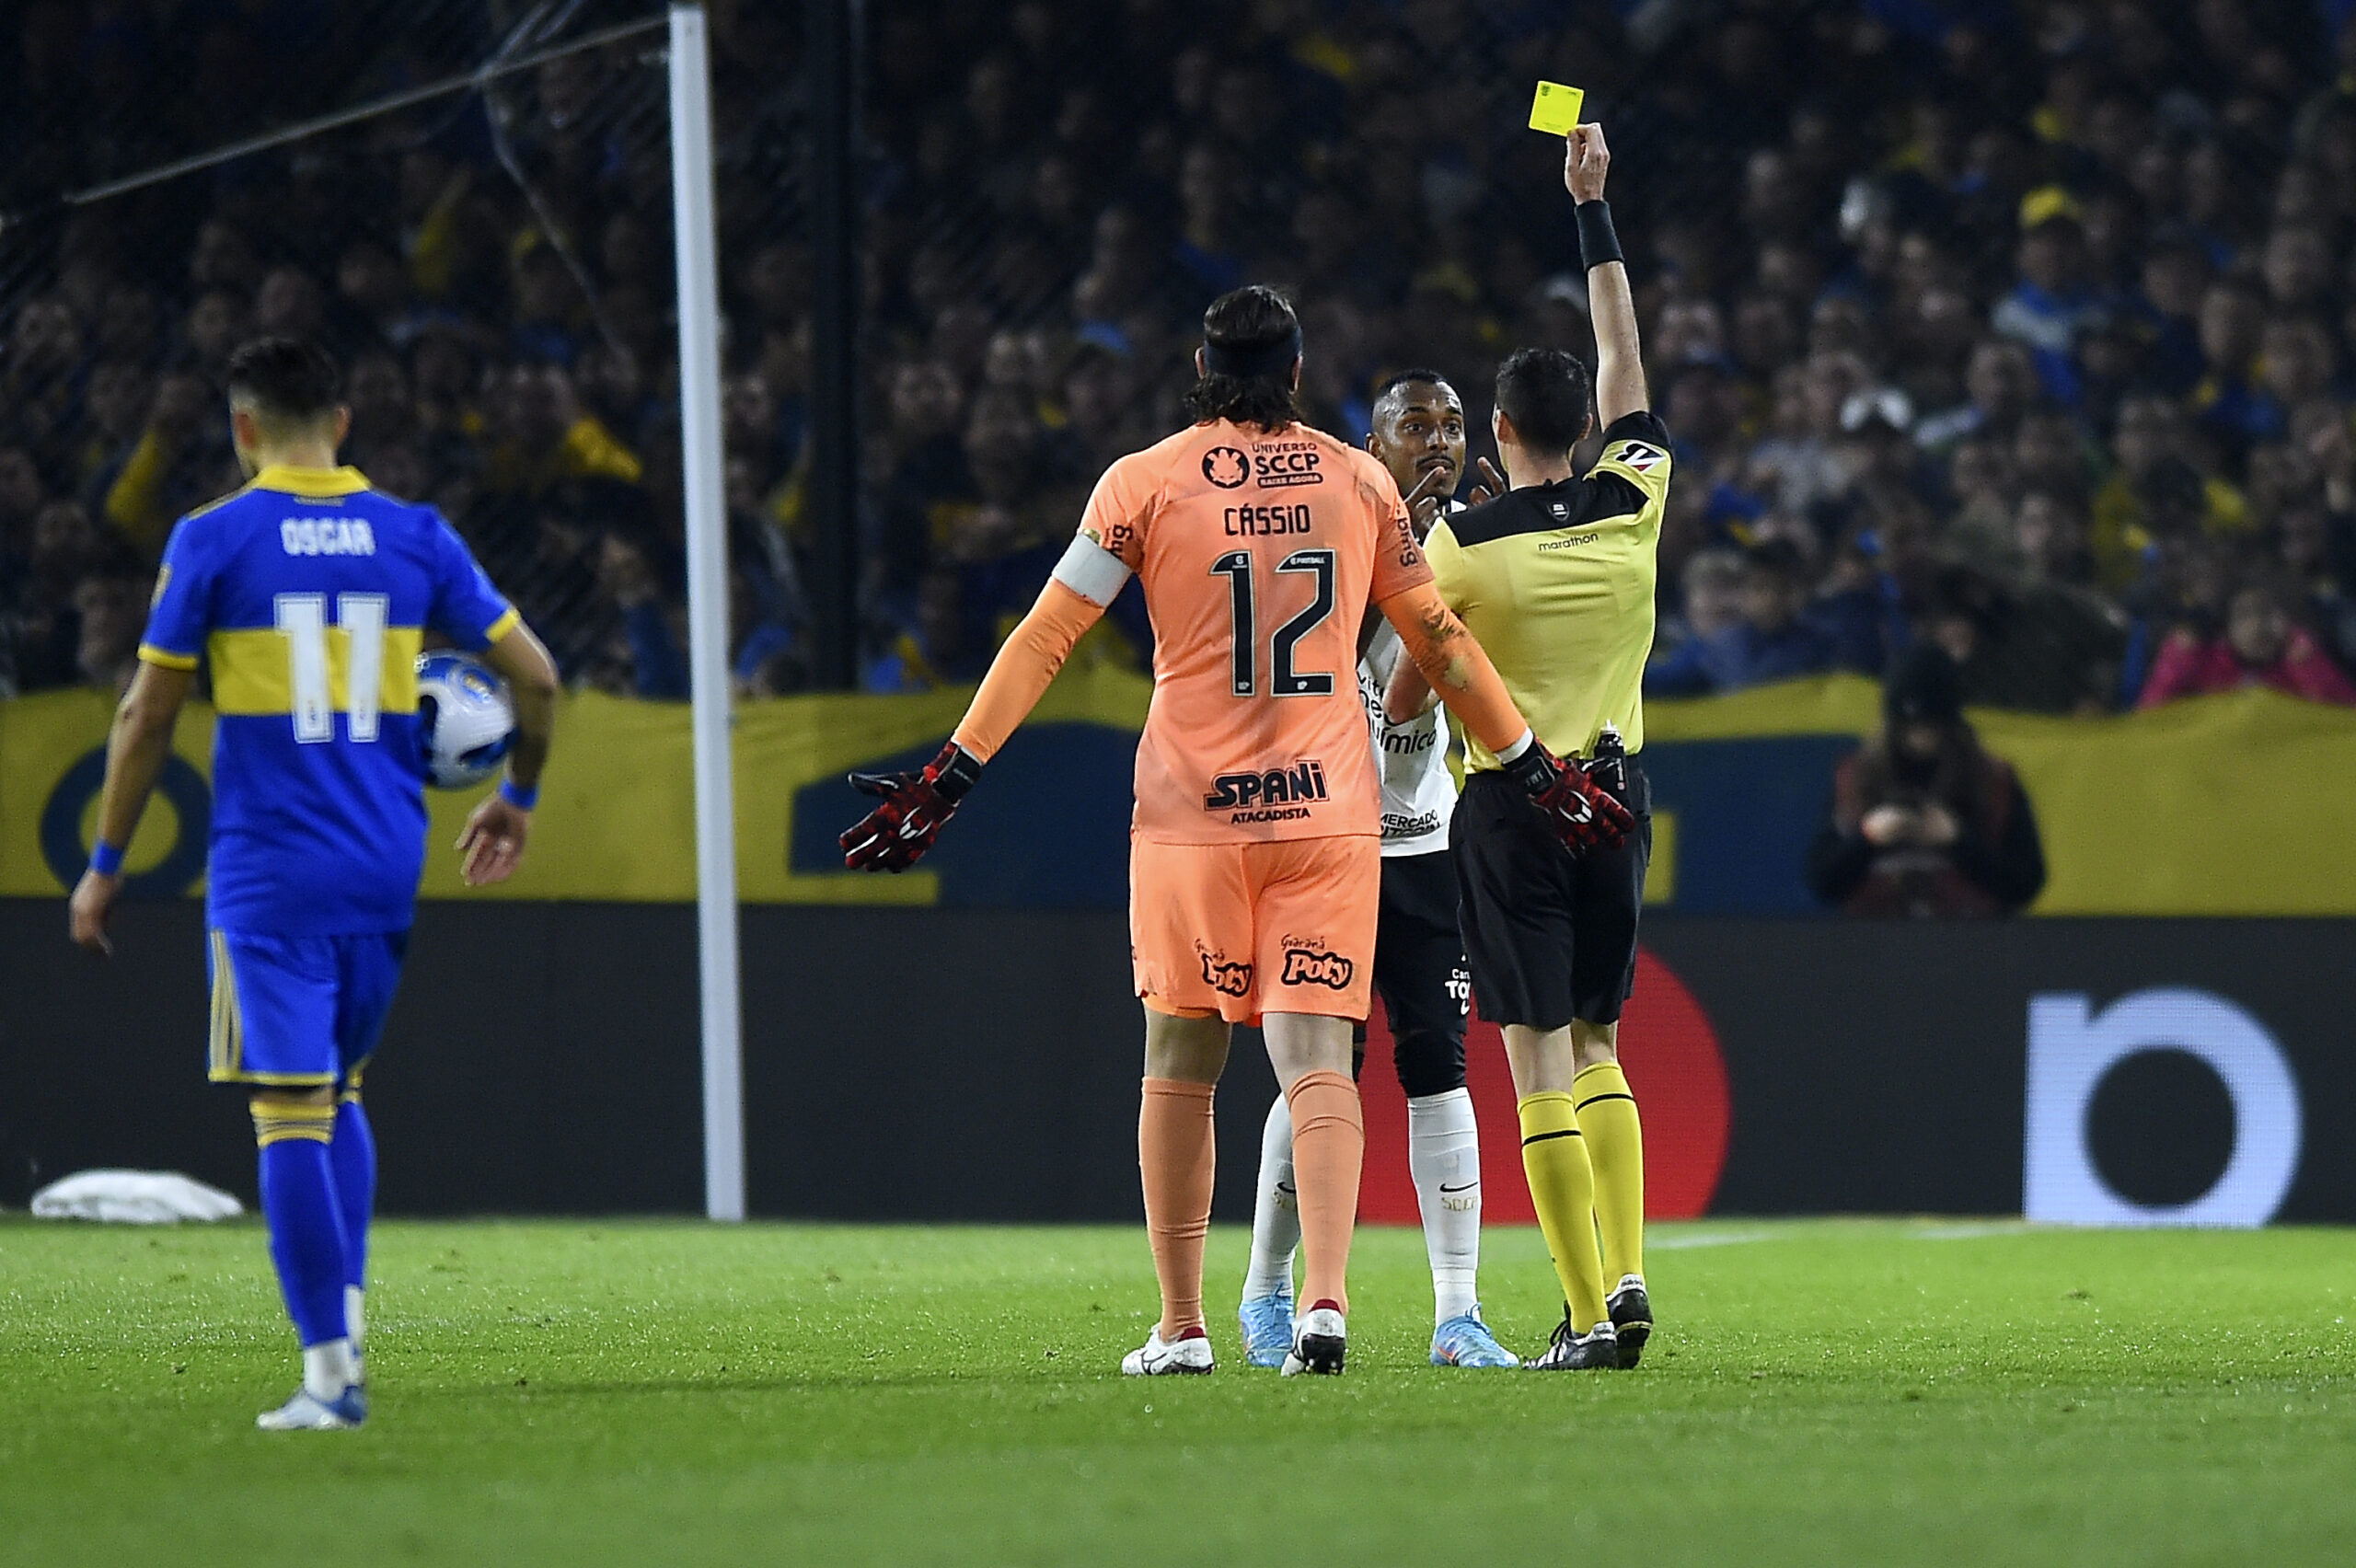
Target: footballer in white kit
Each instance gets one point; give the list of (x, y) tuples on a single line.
[(1418, 957)]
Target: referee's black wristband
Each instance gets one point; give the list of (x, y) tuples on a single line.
[(1598, 241)]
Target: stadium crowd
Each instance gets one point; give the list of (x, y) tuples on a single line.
[(2022, 328)]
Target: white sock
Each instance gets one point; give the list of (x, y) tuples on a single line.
[(326, 1369), (1276, 1210), (356, 1320), (1444, 1156)]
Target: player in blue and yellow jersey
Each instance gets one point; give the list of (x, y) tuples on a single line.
[(309, 594)]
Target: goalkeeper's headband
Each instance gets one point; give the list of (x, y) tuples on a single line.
[(1269, 359)]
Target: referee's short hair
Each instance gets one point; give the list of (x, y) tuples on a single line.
[(1547, 394), (288, 379)]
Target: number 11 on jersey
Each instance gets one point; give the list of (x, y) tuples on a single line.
[(303, 621)]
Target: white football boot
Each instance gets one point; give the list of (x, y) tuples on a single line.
[(1319, 1341), (305, 1414), (1191, 1353)]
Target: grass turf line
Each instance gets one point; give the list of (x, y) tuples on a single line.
[(1821, 1392)]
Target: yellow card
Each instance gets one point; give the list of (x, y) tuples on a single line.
[(1555, 110)]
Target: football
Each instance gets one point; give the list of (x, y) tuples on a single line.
[(468, 722)]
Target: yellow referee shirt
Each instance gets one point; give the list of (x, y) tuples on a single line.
[(1556, 582)]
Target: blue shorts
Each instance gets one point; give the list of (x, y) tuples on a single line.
[(300, 1011)]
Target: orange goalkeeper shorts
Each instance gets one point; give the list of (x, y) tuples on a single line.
[(1242, 929)]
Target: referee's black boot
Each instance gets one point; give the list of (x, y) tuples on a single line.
[(1632, 1318), (1598, 1350)]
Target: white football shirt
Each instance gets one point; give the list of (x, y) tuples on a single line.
[(1411, 759)]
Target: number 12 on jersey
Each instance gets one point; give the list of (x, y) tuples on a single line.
[(1283, 679), (303, 621)]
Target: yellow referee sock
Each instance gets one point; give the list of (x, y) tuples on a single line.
[(1562, 1186), (1615, 1147)]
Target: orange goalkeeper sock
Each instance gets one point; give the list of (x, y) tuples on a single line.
[(1177, 1156), (1328, 1147)]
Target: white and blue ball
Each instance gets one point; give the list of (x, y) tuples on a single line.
[(467, 720)]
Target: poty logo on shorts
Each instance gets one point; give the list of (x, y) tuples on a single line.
[(1226, 466), (1223, 976), (1307, 963), (1243, 792)]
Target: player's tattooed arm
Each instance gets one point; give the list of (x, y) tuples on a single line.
[(137, 744), (1453, 665), (1410, 692)]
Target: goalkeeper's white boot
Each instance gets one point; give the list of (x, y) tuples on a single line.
[(1189, 1353), (1319, 1341), (305, 1414)]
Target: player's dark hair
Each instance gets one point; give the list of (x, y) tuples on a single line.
[(1250, 339), (285, 378), (1411, 377), (1393, 386), (1547, 394)]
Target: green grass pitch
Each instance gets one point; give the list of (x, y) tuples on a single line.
[(1821, 1393)]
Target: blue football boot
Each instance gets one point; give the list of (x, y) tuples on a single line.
[(1267, 1328), (1465, 1340)]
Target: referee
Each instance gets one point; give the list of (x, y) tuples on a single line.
[(1555, 578)]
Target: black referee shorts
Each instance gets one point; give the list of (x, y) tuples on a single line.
[(1550, 937), (1419, 970)]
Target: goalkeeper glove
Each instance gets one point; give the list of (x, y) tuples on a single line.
[(895, 835), (1578, 809)]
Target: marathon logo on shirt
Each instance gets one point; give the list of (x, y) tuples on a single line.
[(327, 536), (1307, 963), (1282, 463), (1223, 975), (1278, 794), (1252, 522)]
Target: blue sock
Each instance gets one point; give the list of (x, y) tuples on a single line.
[(353, 1157), (298, 1199)]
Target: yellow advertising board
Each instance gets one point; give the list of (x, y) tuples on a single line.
[(2239, 804)]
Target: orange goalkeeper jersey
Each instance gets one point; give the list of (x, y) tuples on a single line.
[(1259, 553)]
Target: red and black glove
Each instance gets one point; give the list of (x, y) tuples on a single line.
[(895, 835), (1578, 809)]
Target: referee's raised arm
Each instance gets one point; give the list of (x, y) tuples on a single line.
[(1620, 388)]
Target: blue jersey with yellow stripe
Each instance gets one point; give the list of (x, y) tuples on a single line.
[(308, 594)]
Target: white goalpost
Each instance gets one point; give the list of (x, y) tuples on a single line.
[(707, 528)]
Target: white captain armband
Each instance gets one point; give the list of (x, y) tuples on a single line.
[(1090, 571)]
